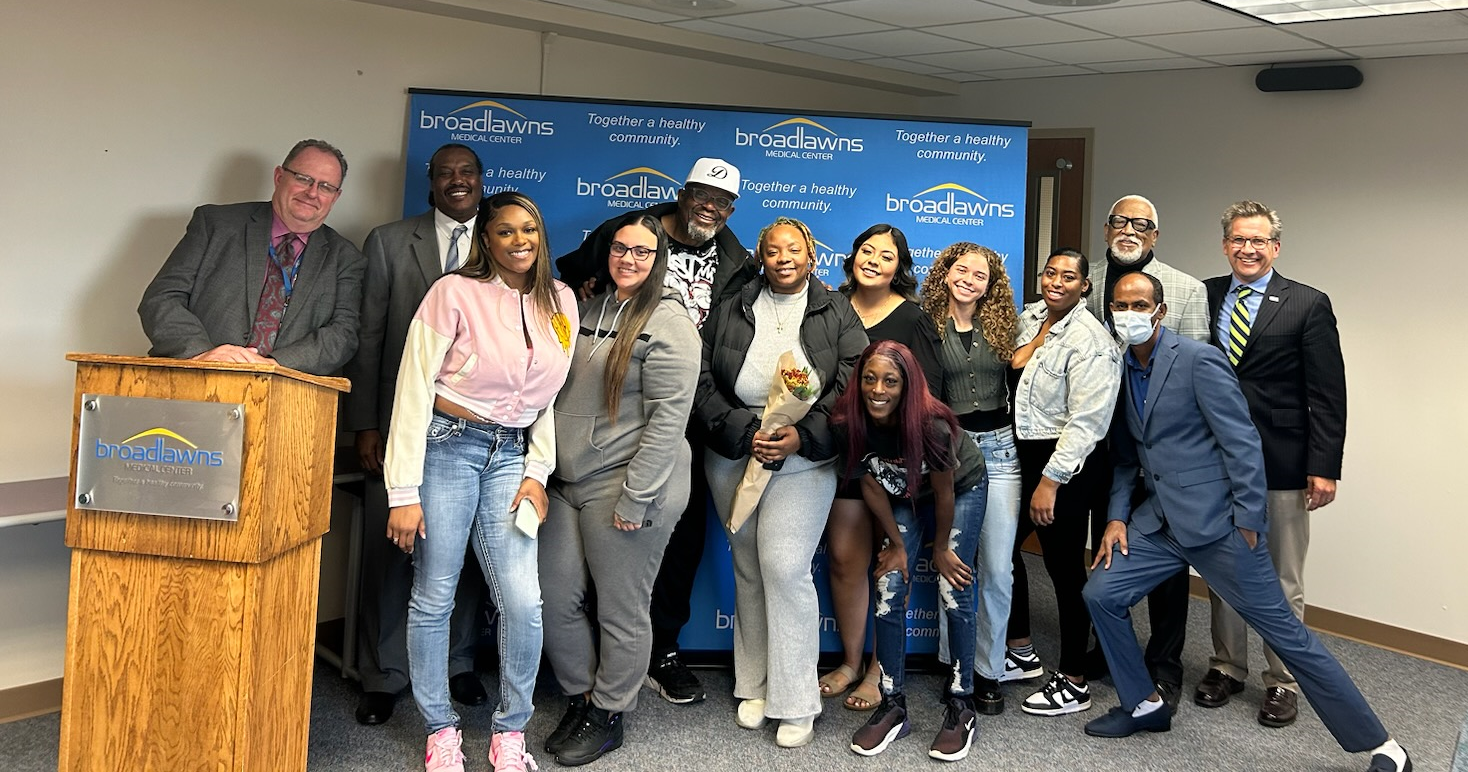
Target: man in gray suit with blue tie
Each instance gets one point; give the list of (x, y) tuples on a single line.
[(264, 281), (1182, 426), (403, 259)]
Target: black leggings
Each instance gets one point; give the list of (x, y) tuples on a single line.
[(1064, 545)]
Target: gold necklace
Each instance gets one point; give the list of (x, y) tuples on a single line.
[(780, 319)]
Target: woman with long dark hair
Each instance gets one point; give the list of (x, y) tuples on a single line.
[(1066, 373), (620, 485), (880, 284), (968, 297), (472, 437), (914, 464)]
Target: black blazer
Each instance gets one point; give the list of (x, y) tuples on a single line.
[(1293, 378)]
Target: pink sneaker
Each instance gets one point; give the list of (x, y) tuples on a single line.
[(443, 751), (507, 753)]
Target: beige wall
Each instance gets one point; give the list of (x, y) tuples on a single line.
[(1371, 186), (121, 117)]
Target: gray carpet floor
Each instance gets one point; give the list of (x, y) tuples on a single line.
[(1422, 704)]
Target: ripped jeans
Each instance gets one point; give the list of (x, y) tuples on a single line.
[(957, 604)]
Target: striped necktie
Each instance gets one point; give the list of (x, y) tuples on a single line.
[(452, 262), (1238, 327)]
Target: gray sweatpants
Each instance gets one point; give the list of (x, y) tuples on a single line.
[(579, 549), (776, 613)]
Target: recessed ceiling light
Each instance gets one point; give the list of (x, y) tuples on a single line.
[(1295, 11), (1073, 3)]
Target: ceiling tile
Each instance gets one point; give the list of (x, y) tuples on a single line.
[(904, 65), (1231, 41), (1191, 16), (1036, 9), (726, 30), (921, 13), (899, 42), (1053, 71), (621, 9), (803, 22), (1276, 57), (1147, 65), (1016, 32), (1087, 51), (1415, 28), (1410, 49), (821, 49), (979, 60)]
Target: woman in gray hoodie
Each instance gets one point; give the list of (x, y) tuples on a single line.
[(620, 484)]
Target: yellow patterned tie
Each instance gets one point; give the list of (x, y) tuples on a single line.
[(1238, 328)]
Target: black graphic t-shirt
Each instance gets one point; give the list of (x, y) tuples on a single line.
[(884, 462), (691, 273)]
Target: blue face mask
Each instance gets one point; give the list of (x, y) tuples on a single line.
[(1133, 327)]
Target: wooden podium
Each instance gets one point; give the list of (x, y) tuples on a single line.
[(189, 641)]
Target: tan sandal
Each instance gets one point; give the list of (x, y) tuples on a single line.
[(838, 681), (865, 696)]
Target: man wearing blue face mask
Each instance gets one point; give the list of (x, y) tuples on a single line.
[(1182, 428)]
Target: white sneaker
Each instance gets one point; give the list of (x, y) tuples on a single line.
[(795, 732), (1020, 667), (751, 714), (1057, 697)]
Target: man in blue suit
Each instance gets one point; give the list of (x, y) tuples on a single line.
[(1182, 427)]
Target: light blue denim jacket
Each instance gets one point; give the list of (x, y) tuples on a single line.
[(1068, 388)]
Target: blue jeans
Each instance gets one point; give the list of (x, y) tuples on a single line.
[(471, 472), (957, 604)]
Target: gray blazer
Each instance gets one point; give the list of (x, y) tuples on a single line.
[(1195, 448), (208, 290), (402, 261)]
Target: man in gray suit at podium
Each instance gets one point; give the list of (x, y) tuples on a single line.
[(403, 258), (263, 281)]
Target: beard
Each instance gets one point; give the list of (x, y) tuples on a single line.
[(1127, 256), (699, 234)]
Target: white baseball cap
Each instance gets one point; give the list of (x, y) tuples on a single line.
[(716, 173)]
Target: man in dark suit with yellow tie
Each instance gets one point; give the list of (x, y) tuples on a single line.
[(264, 281), (1280, 338), (1182, 431)]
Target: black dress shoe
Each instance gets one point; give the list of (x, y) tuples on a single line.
[(1119, 722), (1216, 688), (988, 699), (1279, 708), (466, 690), (1380, 762), (1171, 694), (375, 708)]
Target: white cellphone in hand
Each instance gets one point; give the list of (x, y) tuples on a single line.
[(527, 519)]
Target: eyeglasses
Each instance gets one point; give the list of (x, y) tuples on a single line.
[(640, 254), (701, 197), (309, 182), (1238, 242), (1139, 224)]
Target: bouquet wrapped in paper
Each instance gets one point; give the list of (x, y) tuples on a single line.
[(792, 392)]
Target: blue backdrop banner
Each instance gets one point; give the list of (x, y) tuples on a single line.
[(583, 161)]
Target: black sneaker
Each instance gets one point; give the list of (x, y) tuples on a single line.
[(888, 723), (987, 699), (575, 712), (960, 724), (599, 733), (672, 679)]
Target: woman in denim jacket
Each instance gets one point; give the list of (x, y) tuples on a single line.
[(1066, 372)]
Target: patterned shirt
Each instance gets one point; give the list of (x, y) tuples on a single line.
[(691, 274)]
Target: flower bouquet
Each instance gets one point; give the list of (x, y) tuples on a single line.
[(792, 392)]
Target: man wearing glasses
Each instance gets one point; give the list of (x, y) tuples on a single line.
[(706, 264), (263, 281), (1131, 231), (1280, 337)]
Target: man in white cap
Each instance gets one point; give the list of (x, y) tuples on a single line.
[(706, 264)]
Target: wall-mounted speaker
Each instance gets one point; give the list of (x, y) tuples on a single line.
[(1327, 78)]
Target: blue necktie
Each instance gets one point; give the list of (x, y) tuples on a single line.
[(452, 263)]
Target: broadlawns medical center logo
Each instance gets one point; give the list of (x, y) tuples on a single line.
[(159, 452), (635, 188), (798, 138), (486, 121), (949, 203)]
